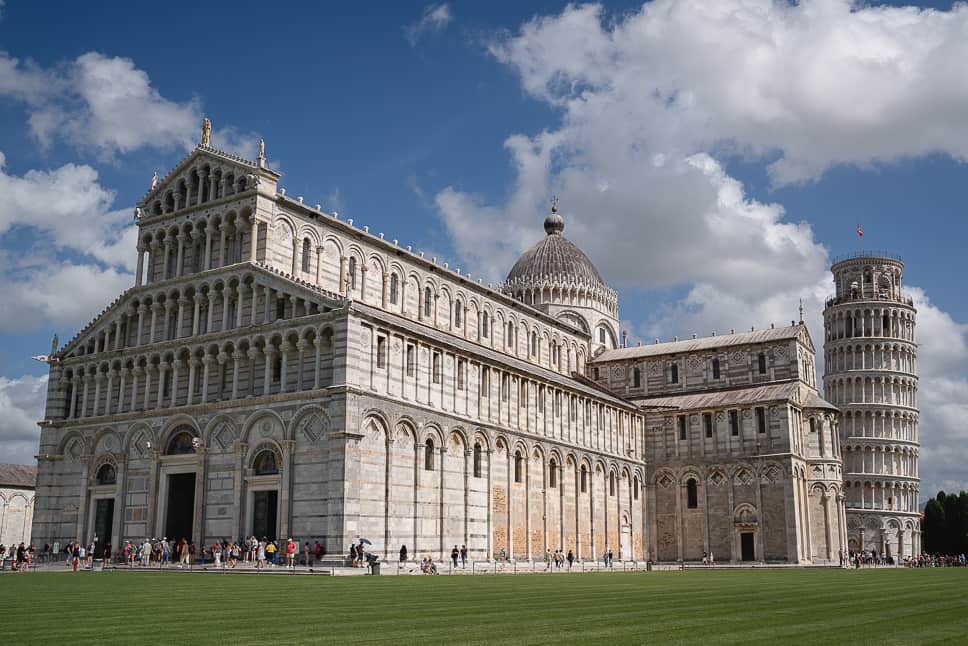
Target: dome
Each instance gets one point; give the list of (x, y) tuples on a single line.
[(555, 258)]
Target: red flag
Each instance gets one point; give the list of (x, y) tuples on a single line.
[(860, 232)]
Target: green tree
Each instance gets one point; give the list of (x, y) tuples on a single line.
[(933, 525)]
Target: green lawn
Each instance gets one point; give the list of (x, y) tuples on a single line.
[(703, 607)]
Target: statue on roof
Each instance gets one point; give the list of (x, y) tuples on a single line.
[(206, 132), (53, 345), (154, 180)]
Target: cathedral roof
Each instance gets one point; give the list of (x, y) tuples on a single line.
[(555, 260), (18, 476), (743, 396), (707, 343)]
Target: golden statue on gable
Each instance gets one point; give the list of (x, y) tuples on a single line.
[(206, 132)]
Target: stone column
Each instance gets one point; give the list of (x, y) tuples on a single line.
[(317, 343), (98, 378), (269, 354), (175, 366), (141, 265), (180, 259), (211, 311), (206, 363), (142, 308), (182, 302), (343, 262), (193, 364), (162, 369), (195, 314), (225, 308), (223, 232), (135, 373), (254, 241), (301, 348), (386, 290), (211, 186), (75, 382), (155, 310), (284, 348), (110, 389), (253, 354), (148, 372), (166, 260), (266, 316), (208, 248), (363, 271), (236, 357), (254, 310), (319, 262), (295, 257), (239, 301)]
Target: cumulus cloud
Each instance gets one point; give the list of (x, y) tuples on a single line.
[(21, 406), (108, 106), (434, 19), (652, 102)]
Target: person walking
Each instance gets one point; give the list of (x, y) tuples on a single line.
[(307, 553), (463, 557), (454, 555), (185, 552), (571, 558), (403, 554)]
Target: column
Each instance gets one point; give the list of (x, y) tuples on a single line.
[(166, 260), (195, 314), (223, 232), (294, 301), (98, 377), (206, 363), (363, 271), (236, 357), (117, 334), (386, 290), (141, 320), (319, 262), (179, 260), (253, 354), (295, 256), (284, 368), (135, 373), (175, 365), (317, 342), (825, 500), (141, 265), (155, 310), (75, 382), (193, 363), (211, 312), (211, 186), (268, 300), (148, 371), (107, 399), (182, 302), (208, 248), (162, 369), (254, 242), (225, 308), (301, 348), (239, 300), (270, 355), (343, 261), (255, 304)]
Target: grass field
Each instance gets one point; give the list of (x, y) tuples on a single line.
[(694, 607)]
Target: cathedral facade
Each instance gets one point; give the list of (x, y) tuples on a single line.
[(278, 371)]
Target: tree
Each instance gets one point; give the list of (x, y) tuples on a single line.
[(945, 525), (933, 526)]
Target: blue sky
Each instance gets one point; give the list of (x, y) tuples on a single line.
[(711, 158)]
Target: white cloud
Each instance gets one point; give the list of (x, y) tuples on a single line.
[(652, 100), (820, 82), (108, 106), (21, 406), (434, 19)]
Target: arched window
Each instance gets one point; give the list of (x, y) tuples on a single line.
[(477, 460), (518, 467), (305, 255), (611, 484), (484, 325), (553, 474), (429, 455), (458, 313), (428, 301), (584, 479), (351, 278), (106, 475), (182, 443), (265, 464), (394, 288), (674, 373), (534, 344), (692, 493)]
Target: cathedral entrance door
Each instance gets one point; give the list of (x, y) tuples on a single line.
[(265, 505), (180, 514), (103, 522), (746, 546), (625, 543)]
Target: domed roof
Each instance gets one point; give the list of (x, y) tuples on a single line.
[(554, 258)]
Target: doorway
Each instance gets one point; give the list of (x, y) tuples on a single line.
[(180, 516), (103, 524), (746, 546), (264, 514)]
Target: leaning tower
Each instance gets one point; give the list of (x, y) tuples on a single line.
[(871, 374)]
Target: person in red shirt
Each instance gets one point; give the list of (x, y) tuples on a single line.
[(291, 554)]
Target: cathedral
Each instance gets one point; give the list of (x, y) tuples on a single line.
[(278, 371)]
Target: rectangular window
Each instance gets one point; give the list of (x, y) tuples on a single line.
[(522, 394), (715, 368), (813, 425), (761, 420), (411, 352), (761, 363), (734, 423), (381, 352), (505, 387), (541, 398), (636, 378), (674, 373), (485, 381), (436, 368), (557, 404), (461, 366), (595, 373), (553, 475), (707, 421), (281, 308), (681, 421)]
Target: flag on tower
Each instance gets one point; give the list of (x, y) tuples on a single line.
[(860, 232)]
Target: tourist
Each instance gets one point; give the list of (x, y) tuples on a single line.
[(271, 552), (90, 555), (463, 556), (504, 554), (361, 553), (454, 555), (571, 558), (106, 555), (290, 554), (75, 556), (319, 553), (712, 561), (184, 552), (145, 553), (307, 554), (403, 554)]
